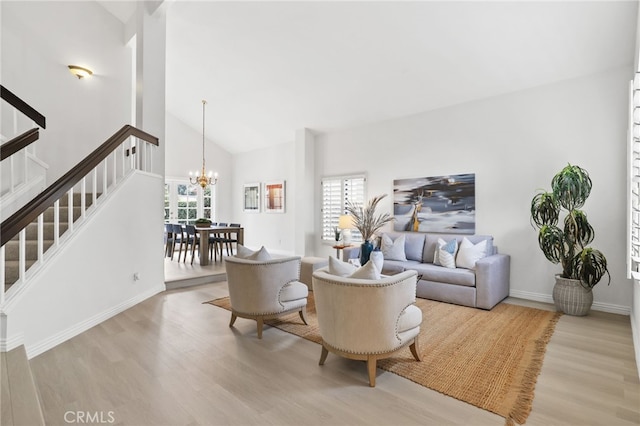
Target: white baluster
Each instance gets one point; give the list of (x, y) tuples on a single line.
[(115, 166), (94, 185), (56, 223), (40, 236), (70, 211), (12, 171), (22, 254), (83, 197), (104, 177)]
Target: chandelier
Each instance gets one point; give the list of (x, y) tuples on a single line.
[(203, 179)]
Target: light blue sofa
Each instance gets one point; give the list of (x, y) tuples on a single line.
[(482, 287)]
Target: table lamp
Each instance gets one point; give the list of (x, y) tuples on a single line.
[(346, 224)]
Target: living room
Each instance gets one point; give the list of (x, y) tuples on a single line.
[(514, 139)]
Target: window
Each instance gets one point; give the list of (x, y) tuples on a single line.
[(184, 203), (336, 191)]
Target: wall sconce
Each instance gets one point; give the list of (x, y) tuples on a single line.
[(80, 72)]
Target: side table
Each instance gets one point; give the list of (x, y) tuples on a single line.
[(339, 248)]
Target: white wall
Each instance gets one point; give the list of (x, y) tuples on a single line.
[(514, 144), (276, 231), (91, 278), (184, 154), (39, 40)]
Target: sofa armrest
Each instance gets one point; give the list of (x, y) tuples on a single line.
[(351, 253), (492, 280)]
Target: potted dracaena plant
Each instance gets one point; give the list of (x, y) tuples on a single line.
[(367, 223), (582, 266)]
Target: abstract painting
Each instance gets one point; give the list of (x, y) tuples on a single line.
[(444, 204)]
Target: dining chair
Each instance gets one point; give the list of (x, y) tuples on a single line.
[(178, 237), (193, 240), (214, 243), (226, 240), (168, 239)]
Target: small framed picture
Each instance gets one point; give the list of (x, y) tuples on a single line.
[(274, 197), (251, 197)]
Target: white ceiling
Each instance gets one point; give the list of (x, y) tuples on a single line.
[(269, 68)]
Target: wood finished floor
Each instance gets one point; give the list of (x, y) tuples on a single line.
[(173, 361)]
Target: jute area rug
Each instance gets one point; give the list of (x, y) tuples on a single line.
[(490, 359)]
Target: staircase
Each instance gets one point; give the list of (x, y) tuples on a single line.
[(12, 248)]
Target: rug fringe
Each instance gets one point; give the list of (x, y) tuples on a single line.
[(524, 400)]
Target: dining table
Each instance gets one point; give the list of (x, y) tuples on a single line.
[(208, 230)]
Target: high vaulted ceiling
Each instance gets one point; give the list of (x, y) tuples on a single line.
[(269, 68)]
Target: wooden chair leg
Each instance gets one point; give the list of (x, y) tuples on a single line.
[(233, 319), (414, 349), (323, 355), (371, 368), (260, 325), (303, 315)]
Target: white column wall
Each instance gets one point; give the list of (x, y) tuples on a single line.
[(302, 193)]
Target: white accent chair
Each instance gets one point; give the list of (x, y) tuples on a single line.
[(367, 319), (262, 290)]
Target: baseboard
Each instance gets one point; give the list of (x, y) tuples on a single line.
[(7, 345), (547, 298), (46, 344)]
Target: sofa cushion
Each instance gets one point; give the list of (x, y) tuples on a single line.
[(445, 254), (469, 253), (393, 249), (432, 239), (457, 276), (366, 272), (340, 268)]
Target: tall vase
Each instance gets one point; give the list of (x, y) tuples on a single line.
[(365, 251), (378, 259)]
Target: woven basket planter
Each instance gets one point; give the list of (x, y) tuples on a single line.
[(571, 297)]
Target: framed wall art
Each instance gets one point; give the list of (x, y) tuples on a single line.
[(251, 197), (274, 197), (445, 204)]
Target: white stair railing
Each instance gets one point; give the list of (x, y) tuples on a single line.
[(132, 154)]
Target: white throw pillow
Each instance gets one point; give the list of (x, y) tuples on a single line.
[(244, 253), (340, 268), (445, 254), (470, 253), (260, 255), (393, 250), (367, 272)]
